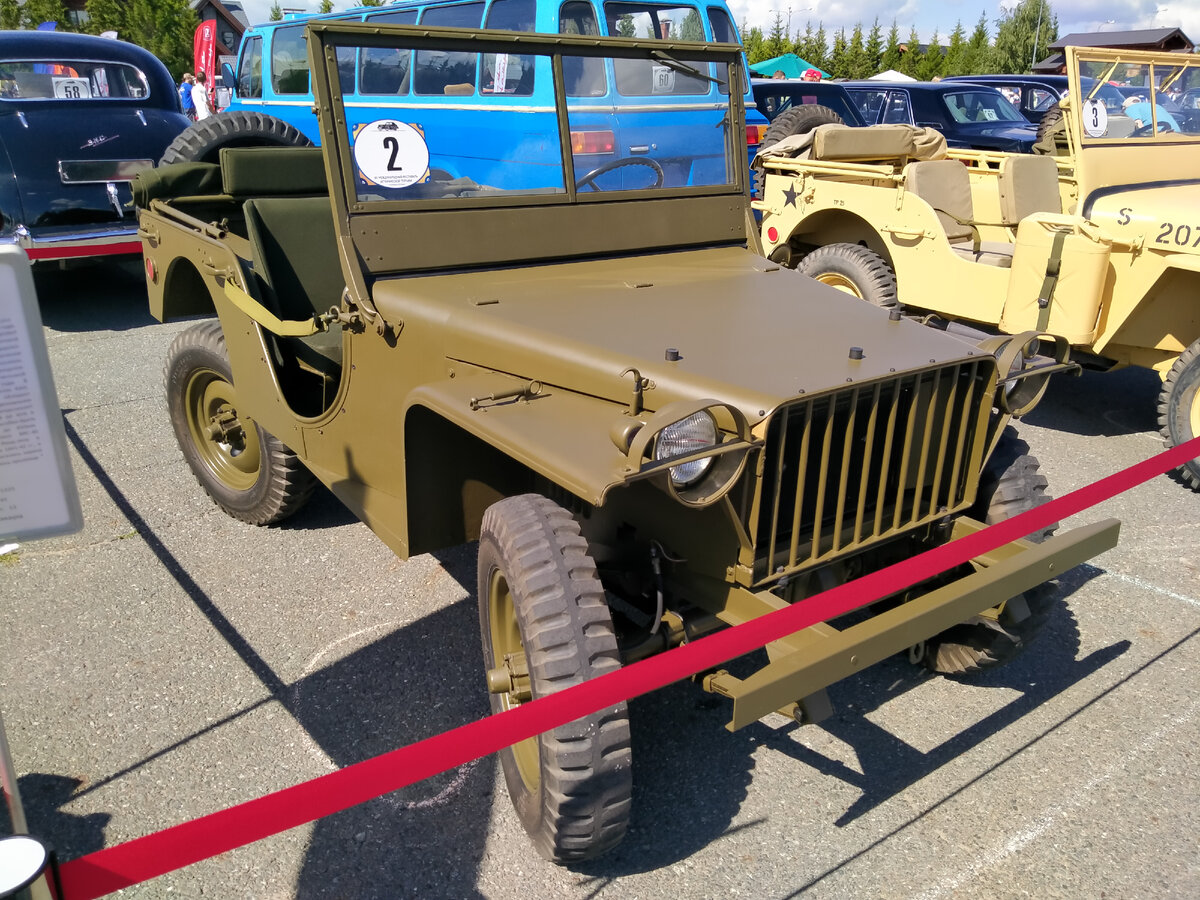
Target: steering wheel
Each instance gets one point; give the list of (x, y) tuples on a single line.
[(1148, 128), (589, 179)]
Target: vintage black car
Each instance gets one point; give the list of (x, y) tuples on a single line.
[(972, 117), (79, 117)]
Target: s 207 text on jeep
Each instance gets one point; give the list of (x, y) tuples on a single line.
[(651, 430), (1097, 242)]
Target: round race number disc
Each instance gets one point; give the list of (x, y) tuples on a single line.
[(391, 154), (1095, 118)]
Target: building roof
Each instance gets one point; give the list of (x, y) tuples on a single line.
[(1146, 38)]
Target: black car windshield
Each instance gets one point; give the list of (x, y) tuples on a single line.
[(71, 80), (980, 106)]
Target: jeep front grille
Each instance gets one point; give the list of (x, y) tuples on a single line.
[(845, 470)]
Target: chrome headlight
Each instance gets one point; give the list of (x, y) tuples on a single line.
[(683, 437)]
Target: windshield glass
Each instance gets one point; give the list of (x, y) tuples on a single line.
[(980, 106), (1137, 100), (472, 146), (70, 80)]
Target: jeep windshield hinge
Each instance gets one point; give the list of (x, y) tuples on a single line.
[(640, 384)]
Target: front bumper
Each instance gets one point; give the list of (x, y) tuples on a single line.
[(806, 662)]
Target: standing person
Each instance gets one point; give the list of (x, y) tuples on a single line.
[(200, 97), (185, 95)]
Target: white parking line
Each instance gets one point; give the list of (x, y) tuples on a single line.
[(1054, 814), (1153, 588)]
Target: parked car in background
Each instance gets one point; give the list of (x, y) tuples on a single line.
[(1037, 93), (80, 116), (973, 117), (775, 96)]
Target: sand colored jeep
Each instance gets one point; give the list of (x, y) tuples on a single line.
[(1096, 242)]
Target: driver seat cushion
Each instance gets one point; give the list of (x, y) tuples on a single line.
[(1028, 185), (295, 256)]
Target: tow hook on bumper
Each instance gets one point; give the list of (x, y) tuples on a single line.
[(794, 681)]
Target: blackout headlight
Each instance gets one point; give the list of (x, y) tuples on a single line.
[(682, 438)]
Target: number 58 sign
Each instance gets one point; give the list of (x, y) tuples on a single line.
[(391, 154)]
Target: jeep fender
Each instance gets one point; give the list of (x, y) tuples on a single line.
[(1161, 321)]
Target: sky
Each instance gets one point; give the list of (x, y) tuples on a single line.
[(926, 15)]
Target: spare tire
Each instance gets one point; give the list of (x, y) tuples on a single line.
[(1051, 132), (797, 120), (201, 141)]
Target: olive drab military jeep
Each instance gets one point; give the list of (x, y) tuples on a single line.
[(630, 409), (1097, 242)]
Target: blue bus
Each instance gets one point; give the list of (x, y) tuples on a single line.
[(435, 92)]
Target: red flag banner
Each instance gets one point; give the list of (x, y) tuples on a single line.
[(204, 49)]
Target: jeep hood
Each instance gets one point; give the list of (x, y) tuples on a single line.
[(747, 331), (1162, 215)]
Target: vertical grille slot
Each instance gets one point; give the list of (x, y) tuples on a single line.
[(844, 470)]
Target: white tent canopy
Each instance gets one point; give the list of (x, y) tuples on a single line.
[(891, 75)]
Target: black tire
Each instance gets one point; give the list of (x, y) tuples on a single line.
[(1179, 410), (542, 606), (1051, 132), (797, 120), (854, 269), (247, 471), (1011, 484), (201, 141)]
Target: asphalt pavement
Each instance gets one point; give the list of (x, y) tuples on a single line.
[(169, 661)]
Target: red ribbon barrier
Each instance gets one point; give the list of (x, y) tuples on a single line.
[(181, 845)]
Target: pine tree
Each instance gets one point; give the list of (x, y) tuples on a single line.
[(691, 29), (369, 3), (956, 52), (755, 44), (106, 15), (1023, 35), (164, 27), (777, 40), (276, 14), (820, 50), (839, 58), (856, 55), (932, 61), (910, 62), (35, 12), (891, 52), (979, 50), (326, 6), (874, 49), (10, 15)]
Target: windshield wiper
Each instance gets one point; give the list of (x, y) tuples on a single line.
[(683, 68)]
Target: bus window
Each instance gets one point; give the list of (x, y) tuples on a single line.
[(642, 77), (448, 72), (584, 75), (249, 81), (385, 71), (509, 73), (289, 61), (723, 32)]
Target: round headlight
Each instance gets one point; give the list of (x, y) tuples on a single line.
[(684, 437)]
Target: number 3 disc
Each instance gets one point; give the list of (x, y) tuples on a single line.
[(391, 154), (1095, 118)]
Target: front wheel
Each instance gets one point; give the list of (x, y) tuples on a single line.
[(855, 270), (1179, 410), (1012, 483), (546, 627), (247, 471)]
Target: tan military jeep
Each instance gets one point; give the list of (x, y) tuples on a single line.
[(633, 412), (1099, 244)]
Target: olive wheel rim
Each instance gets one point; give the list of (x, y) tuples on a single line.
[(506, 645), (209, 399), (841, 283)]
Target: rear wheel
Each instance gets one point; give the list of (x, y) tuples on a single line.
[(854, 269), (1012, 483), (202, 141), (546, 627), (1179, 410), (246, 470)]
